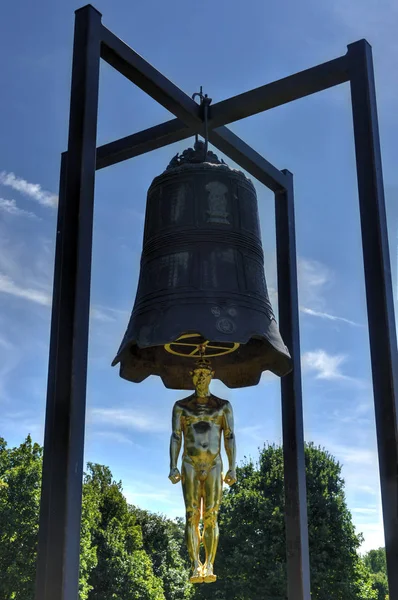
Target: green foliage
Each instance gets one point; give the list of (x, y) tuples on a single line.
[(131, 554), (20, 486), (123, 570), (251, 560), (336, 569), (20, 481), (162, 542), (88, 552), (375, 562), (113, 563)]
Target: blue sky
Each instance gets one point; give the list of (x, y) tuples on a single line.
[(228, 47)]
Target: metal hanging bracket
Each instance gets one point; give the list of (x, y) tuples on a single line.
[(205, 102)]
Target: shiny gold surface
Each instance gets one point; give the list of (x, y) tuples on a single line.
[(193, 345), (200, 421)]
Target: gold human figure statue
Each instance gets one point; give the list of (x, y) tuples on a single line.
[(201, 419)]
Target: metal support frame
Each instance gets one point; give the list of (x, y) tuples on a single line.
[(379, 295), (298, 567), (60, 511), (58, 550)]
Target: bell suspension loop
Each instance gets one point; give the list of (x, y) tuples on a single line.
[(205, 102)]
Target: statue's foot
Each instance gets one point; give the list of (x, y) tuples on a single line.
[(197, 576), (208, 575)]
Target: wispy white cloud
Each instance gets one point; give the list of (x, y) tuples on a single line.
[(354, 447), (325, 315), (153, 497), (101, 315), (18, 424), (369, 521), (26, 264), (254, 432), (32, 190), (324, 365), (10, 356), (367, 489), (108, 314), (129, 418), (360, 472), (353, 455), (314, 281), (8, 286), (314, 278), (44, 297), (362, 510), (116, 437), (373, 534), (361, 413), (10, 207)]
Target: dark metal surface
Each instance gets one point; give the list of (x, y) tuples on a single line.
[(244, 105), (142, 142), (250, 160), (298, 568), (205, 102), (196, 155), (59, 537), (379, 296), (53, 435), (288, 89), (202, 271), (137, 70), (130, 64), (173, 131)]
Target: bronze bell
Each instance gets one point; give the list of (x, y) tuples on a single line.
[(202, 289)]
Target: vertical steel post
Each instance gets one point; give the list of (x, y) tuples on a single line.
[(298, 566), (59, 532), (379, 296)]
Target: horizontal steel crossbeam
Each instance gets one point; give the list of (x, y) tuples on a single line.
[(150, 80), (189, 120)]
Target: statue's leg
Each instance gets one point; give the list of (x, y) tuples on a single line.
[(211, 505), (192, 496)]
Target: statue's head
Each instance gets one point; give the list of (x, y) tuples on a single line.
[(202, 375)]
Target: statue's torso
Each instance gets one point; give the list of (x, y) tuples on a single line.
[(202, 424)]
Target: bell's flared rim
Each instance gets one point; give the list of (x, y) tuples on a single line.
[(257, 353)]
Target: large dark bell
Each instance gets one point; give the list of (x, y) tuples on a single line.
[(202, 272)]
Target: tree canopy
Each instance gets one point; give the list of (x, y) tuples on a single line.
[(127, 553), (20, 481), (375, 561), (164, 543), (113, 562), (123, 570), (251, 559)]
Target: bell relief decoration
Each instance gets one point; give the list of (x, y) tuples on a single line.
[(217, 203)]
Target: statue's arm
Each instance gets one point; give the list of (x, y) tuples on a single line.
[(175, 443), (229, 443)]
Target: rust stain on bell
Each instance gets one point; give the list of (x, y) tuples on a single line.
[(202, 273)]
